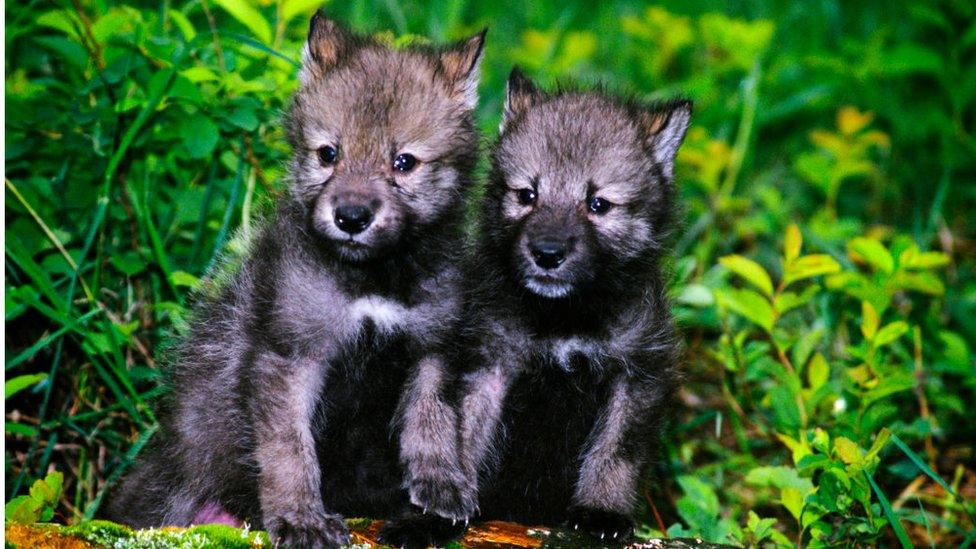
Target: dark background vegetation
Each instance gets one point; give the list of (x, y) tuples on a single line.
[(823, 271)]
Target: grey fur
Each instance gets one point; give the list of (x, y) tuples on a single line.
[(250, 425), (567, 371)]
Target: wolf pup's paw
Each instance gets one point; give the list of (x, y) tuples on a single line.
[(601, 524), (446, 498), (416, 530), (318, 531)]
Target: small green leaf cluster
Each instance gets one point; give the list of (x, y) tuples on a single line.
[(39, 504)]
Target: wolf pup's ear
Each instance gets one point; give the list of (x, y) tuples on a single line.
[(459, 65), (520, 94), (664, 127), (327, 42)]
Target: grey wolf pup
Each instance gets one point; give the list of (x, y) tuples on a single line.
[(569, 359), (314, 374)]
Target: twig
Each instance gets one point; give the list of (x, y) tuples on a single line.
[(923, 402), (252, 159), (88, 37), (908, 492), (657, 515), (216, 37)]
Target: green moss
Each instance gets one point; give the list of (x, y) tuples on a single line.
[(116, 536), (99, 532), (227, 536)]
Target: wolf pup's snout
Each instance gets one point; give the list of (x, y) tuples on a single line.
[(353, 218), (549, 253)]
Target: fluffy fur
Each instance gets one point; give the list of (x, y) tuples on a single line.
[(299, 388), (567, 365)]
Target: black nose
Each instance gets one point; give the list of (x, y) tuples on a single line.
[(548, 254), (353, 219)]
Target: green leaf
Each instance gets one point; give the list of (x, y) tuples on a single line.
[(792, 243), (15, 385), (291, 8), (696, 295), (199, 74), (847, 450), (792, 499), (249, 16), (41, 491), (957, 357), (809, 266), (749, 304), (890, 333), (58, 20), (869, 320), (700, 493), (244, 117), (787, 301), (129, 263), (200, 135), (800, 448), (778, 477), (913, 259), (749, 270), (55, 482), (19, 429), (818, 372), (925, 282), (880, 441), (23, 510), (890, 385), (761, 528), (183, 279), (909, 58), (872, 252), (184, 24)]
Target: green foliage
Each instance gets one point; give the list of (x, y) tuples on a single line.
[(39, 504), (100, 533), (824, 268)]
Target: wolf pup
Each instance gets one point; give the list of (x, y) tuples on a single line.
[(572, 353), (301, 386)]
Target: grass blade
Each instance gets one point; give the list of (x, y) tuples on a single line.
[(924, 467), (130, 456), (49, 339), (890, 513)]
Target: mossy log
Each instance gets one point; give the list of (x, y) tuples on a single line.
[(494, 535)]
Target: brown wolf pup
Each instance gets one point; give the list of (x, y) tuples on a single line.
[(305, 382), (568, 360)]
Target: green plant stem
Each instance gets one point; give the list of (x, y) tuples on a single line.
[(750, 99)]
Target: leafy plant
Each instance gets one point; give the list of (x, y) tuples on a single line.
[(39, 504)]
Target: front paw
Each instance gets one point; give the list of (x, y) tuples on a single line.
[(317, 531), (600, 523), (415, 530), (449, 499)]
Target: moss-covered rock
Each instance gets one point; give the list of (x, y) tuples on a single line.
[(98, 533)]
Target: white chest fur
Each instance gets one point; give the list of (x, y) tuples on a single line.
[(387, 315), (563, 350)]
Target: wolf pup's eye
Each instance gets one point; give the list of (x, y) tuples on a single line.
[(328, 155), (599, 205), (526, 197), (404, 162)]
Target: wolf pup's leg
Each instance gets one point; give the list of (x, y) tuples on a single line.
[(435, 476), (442, 497), (614, 457), (284, 400), (429, 445)]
